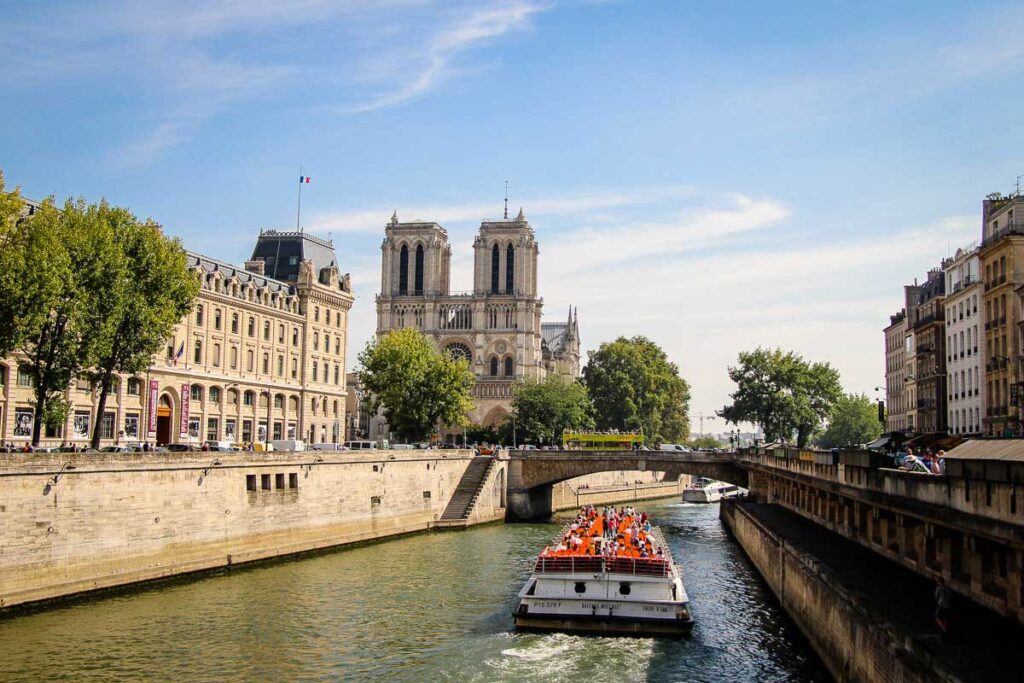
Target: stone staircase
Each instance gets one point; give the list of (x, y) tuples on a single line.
[(456, 514)]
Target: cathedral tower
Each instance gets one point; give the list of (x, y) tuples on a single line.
[(416, 259), (505, 258)]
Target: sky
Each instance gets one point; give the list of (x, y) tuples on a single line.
[(713, 175)]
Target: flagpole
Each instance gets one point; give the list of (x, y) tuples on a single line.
[(298, 210)]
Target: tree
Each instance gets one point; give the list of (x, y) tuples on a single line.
[(62, 304), (634, 386), (853, 421), (419, 386), (704, 442), (782, 393), (149, 290), (543, 410)]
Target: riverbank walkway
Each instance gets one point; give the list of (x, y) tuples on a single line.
[(980, 644)]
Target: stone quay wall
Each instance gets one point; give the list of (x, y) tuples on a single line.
[(853, 645), (617, 487), (111, 520)]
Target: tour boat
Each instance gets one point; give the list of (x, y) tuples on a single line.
[(709, 491), (580, 590)]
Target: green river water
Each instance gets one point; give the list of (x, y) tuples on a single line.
[(431, 607)]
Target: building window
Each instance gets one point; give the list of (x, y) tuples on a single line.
[(197, 392), (295, 336), (279, 401), (251, 330), (266, 363), (337, 345), (316, 341), (248, 398), (250, 482), (280, 366), (295, 368), (337, 374), (326, 371), (293, 480), (249, 360), (266, 330), (264, 481), (216, 319), (327, 343), (234, 323), (214, 395), (134, 386), (247, 430), (510, 269), (232, 397), (280, 334), (495, 267), (25, 378), (316, 314), (279, 480), (494, 366), (315, 366), (403, 270), (418, 282), (234, 357), (107, 426), (197, 354), (508, 367), (199, 314)]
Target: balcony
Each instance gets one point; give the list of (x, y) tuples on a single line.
[(499, 389), (1015, 228)]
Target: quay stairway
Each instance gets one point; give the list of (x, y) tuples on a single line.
[(456, 514)]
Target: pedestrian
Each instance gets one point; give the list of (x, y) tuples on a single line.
[(942, 603)]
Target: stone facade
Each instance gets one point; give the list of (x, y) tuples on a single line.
[(496, 326), (930, 348), (1002, 266), (963, 357), (896, 373), (257, 357)]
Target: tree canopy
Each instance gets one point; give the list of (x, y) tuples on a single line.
[(853, 421), (782, 393), (634, 386), (149, 289), (419, 387), (543, 410)]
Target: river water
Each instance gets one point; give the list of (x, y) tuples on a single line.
[(431, 607)]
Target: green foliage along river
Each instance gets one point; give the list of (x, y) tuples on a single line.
[(423, 608)]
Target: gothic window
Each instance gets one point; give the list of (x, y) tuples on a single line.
[(403, 271), (495, 267), (418, 281), (510, 269), (508, 367), (494, 366), (459, 351)]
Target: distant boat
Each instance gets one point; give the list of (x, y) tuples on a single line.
[(710, 491)]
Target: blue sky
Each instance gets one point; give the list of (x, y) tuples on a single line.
[(714, 175)]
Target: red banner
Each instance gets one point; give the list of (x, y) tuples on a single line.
[(186, 394), (154, 396)]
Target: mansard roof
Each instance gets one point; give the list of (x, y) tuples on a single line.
[(212, 265), (554, 336)]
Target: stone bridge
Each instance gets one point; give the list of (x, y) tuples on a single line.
[(531, 474)]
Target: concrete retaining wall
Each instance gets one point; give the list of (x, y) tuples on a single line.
[(854, 644), (605, 488), (110, 522)]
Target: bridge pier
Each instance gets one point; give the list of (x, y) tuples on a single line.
[(529, 504)]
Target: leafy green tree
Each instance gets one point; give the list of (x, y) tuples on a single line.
[(419, 386), (75, 251), (782, 393), (633, 385), (854, 420), (704, 442), (543, 410), (148, 292)]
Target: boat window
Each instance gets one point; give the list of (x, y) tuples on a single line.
[(625, 588), (581, 587)]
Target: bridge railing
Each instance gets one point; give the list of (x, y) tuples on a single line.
[(583, 564)]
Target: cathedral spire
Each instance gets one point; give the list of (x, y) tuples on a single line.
[(506, 200)]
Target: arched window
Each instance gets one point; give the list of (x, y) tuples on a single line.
[(494, 366), (509, 367), (403, 270), (459, 351), (197, 392), (495, 267), (510, 269), (249, 398), (214, 395), (279, 400), (418, 280)]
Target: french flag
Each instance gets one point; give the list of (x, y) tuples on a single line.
[(303, 179)]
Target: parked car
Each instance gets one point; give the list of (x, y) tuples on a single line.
[(402, 447), (360, 445), (179, 447), (330, 447), (119, 449)]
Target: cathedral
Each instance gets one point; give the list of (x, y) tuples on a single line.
[(497, 326)]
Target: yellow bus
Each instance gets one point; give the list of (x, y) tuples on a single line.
[(601, 441)]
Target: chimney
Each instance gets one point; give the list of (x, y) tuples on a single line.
[(256, 266)]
